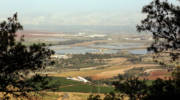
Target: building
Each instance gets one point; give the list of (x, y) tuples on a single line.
[(59, 56), (79, 78)]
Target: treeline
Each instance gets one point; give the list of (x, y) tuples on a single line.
[(77, 61), (74, 41), (69, 42), (83, 60), (136, 89), (162, 21)]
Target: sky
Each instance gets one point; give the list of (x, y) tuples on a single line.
[(74, 12)]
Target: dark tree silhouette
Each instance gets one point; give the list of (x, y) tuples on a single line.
[(163, 90), (109, 96), (18, 60), (94, 97), (134, 88), (163, 22), (114, 96)]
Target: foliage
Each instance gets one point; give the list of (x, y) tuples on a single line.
[(164, 90), (133, 87), (163, 22), (83, 60), (74, 41), (18, 61), (114, 96), (137, 89), (77, 61), (94, 97)]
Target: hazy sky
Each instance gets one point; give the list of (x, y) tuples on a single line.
[(74, 12)]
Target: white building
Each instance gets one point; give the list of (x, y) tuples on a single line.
[(79, 78), (60, 56), (97, 35)]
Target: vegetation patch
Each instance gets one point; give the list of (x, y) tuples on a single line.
[(65, 85)]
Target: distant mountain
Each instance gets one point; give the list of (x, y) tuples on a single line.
[(88, 29)]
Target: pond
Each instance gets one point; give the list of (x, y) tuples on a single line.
[(138, 51), (76, 50), (107, 48), (117, 45)]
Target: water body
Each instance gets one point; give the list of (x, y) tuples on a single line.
[(109, 48), (76, 50), (118, 45), (138, 51), (57, 39), (51, 39), (113, 48)]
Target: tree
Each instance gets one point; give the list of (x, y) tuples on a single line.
[(163, 22), (17, 61), (130, 87), (134, 88), (114, 96), (94, 97), (163, 90)]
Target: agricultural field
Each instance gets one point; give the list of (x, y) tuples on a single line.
[(65, 85), (98, 59), (115, 65)]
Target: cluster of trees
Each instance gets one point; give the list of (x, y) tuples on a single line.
[(135, 89), (18, 61), (70, 42), (163, 22), (77, 61), (82, 60)]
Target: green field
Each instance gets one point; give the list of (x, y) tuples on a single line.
[(65, 85)]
